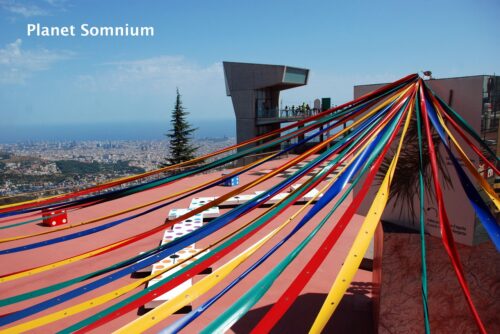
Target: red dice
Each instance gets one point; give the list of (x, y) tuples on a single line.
[(54, 217)]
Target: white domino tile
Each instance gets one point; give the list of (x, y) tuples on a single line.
[(310, 195), (191, 224), (298, 166), (275, 199), (212, 212), (167, 262), (199, 201), (178, 230), (231, 201), (147, 269), (307, 196), (264, 171), (245, 198), (182, 228), (174, 213), (237, 200)]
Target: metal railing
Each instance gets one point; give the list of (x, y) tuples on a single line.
[(286, 113)]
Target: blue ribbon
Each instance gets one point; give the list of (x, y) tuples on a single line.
[(173, 246), (125, 219), (333, 191), (481, 209)]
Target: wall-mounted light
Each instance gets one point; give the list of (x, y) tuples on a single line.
[(428, 74)]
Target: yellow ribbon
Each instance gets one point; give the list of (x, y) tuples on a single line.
[(167, 308), (470, 166), (360, 244), (55, 316), (243, 188)]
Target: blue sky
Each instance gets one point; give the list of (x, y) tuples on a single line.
[(82, 80)]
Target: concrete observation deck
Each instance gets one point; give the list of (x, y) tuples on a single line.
[(255, 92)]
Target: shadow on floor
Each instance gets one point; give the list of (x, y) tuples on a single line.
[(354, 314)]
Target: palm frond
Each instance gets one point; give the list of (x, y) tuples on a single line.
[(405, 184)]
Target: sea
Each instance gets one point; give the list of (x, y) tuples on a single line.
[(112, 131)]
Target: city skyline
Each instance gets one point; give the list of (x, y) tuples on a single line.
[(21, 164), (83, 80)]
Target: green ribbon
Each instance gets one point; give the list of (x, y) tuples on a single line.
[(470, 130), (252, 296), (238, 236), (422, 222), (270, 214)]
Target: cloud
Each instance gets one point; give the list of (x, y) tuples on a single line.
[(162, 72), (16, 64), (27, 9), (156, 78), (56, 3), (23, 9), (153, 80)]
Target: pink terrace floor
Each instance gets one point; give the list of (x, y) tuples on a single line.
[(353, 315)]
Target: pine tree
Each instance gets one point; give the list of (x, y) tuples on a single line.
[(180, 147)]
